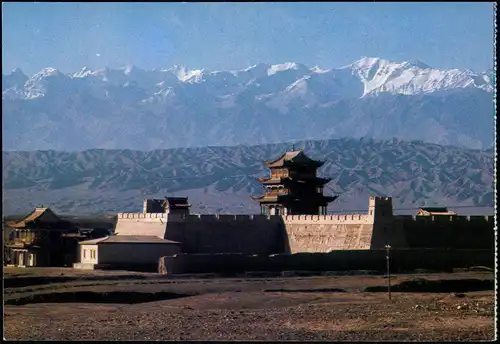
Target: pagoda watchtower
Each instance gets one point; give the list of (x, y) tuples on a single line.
[(293, 187)]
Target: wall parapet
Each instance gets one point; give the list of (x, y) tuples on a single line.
[(330, 219), (142, 215), (337, 218), (227, 218), (445, 218)]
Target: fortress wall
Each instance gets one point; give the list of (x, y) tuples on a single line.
[(253, 234), (141, 224), (401, 260), (447, 231), (343, 219), (387, 231), (324, 233), (227, 234), (261, 234)]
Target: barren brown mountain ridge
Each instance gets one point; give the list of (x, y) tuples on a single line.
[(221, 179)]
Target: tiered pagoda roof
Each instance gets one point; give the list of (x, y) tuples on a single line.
[(271, 181), (293, 187), (41, 217), (288, 198), (293, 159)]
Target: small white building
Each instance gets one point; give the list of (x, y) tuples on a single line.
[(123, 251)]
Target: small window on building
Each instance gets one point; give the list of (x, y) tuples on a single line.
[(84, 253), (371, 212)]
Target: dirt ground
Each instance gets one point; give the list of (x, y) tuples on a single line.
[(99, 306)]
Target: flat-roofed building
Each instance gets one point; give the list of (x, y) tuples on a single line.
[(125, 251)]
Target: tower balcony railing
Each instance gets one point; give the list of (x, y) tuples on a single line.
[(276, 192)]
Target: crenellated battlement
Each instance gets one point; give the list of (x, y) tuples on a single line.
[(337, 218), (226, 218), (142, 216), (329, 219), (471, 219), (332, 219)]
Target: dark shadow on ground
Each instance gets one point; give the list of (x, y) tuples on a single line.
[(422, 285), (323, 290), (96, 297)]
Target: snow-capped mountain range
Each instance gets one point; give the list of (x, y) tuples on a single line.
[(177, 107)]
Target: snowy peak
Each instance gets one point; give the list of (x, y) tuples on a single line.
[(252, 72), (186, 75), (129, 69), (368, 76), (412, 77), (265, 103), (40, 83), (318, 70), (82, 73), (45, 73), (417, 64), (284, 67)]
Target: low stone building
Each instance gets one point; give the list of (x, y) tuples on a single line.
[(124, 252)]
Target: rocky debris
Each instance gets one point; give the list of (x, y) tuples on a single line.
[(357, 321), (218, 312)]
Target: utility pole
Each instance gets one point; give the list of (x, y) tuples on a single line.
[(387, 258)]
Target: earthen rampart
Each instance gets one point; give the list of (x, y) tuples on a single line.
[(227, 233), (265, 234), (141, 224), (446, 231), (325, 233), (401, 260)]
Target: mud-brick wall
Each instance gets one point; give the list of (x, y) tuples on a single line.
[(461, 232), (141, 224), (325, 233), (401, 260), (227, 234)]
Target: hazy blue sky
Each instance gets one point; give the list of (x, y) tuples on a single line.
[(219, 36)]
